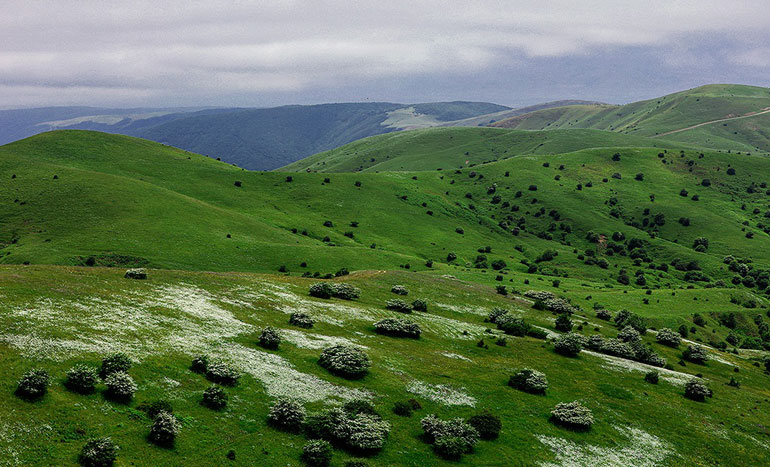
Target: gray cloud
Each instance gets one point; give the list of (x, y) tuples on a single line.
[(264, 53)]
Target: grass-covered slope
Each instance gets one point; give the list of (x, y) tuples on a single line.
[(450, 148), (671, 113), (56, 317)]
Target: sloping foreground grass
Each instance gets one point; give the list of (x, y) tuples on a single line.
[(54, 317)]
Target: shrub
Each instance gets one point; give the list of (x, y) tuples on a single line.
[(695, 354), (397, 328), (200, 364), (537, 333), (399, 290), (399, 305), (269, 338), (420, 305), (563, 323), (214, 398), (487, 425), (617, 348), (363, 432), (629, 335), (317, 453), (594, 342), (529, 380), (450, 447), (539, 295), (355, 463), (286, 414), (33, 384), (625, 318), (321, 290), (569, 344), (668, 337), (604, 314), (495, 314), (512, 326), (436, 429), (222, 373), (346, 291), (99, 452), (498, 264), (572, 415), (114, 363), (81, 379), (301, 320), (347, 361), (156, 407), (450, 257), (164, 430), (696, 390), (652, 377), (120, 386)]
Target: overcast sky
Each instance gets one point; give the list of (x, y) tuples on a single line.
[(193, 53)]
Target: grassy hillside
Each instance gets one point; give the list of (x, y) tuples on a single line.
[(450, 148), (56, 317), (678, 111)]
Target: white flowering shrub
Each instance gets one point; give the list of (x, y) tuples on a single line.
[(572, 415), (604, 314), (33, 384), (540, 295), (618, 348), (450, 447), (668, 337), (569, 344), (558, 305), (363, 432), (439, 432), (529, 380), (399, 305), (222, 373), (512, 326), (214, 398), (81, 379), (629, 334), (286, 414), (594, 342), (399, 290), (346, 291), (696, 390), (120, 386), (696, 354), (269, 338), (317, 453), (344, 360), (321, 290), (301, 320), (100, 452), (397, 328), (115, 362), (164, 430), (496, 313)]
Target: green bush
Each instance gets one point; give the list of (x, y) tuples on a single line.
[(114, 363), (286, 414), (321, 290), (529, 380), (100, 452), (33, 384), (214, 397), (397, 328), (537, 333), (398, 305), (695, 354), (437, 430), (495, 314), (668, 337), (487, 425), (157, 407), (346, 291), (346, 361), (403, 409), (572, 415), (200, 364), (222, 373), (652, 377), (625, 318), (164, 430), (696, 390), (420, 305), (81, 379), (120, 386), (399, 290), (302, 320), (317, 453), (569, 344), (563, 323), (512, 326), (269, 338)]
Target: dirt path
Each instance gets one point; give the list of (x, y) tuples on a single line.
[(751, 114)]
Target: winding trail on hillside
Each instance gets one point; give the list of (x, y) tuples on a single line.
[(727, 119)]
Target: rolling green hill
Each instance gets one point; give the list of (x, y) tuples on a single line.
[(601, 219), (670, 117)]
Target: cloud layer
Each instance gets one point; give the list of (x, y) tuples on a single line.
[(264, 53)]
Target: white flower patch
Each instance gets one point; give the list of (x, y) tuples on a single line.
[(281, 379), (642, 450), (307, 340), (621, 364), (441, 393), (463, 309), (447, 327), (456, 356), (14, 438), (549, 334)]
